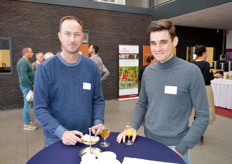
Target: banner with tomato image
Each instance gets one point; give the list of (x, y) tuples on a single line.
[(128, 71)]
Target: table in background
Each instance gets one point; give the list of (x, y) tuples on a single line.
[(143, 148), (222, 89)]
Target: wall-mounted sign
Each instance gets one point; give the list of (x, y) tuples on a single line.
[(86, 36)]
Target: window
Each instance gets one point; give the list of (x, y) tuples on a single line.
[(136, 3), (6, 67), (139, 3), (158, 3), (121, 2)]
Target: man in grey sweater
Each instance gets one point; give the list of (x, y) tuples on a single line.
[(170, 89)]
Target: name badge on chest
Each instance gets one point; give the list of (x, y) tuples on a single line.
[(170, 90), (86, 86)]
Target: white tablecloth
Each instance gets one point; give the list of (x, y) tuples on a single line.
[(222, 89)]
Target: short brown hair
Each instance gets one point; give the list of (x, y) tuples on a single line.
[(70, 18), (161, 25), (25, 50)]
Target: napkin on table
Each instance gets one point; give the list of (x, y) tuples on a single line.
[(128, 160)]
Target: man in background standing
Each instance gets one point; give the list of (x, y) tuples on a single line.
[(26, 81), (48, 55), (93, 52), (105, 73), (39, 59)]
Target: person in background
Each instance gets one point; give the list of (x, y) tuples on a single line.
[(93, 52), (68, 94), (105, 73), (204, 66), (39, 59), (150, 60), (165, 103), (26, 82), (3, 65), (47, 55)]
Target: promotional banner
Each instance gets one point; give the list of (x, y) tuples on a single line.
[(128, 71)]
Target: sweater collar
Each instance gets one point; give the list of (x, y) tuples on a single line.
[(168, 64), (70, 64)]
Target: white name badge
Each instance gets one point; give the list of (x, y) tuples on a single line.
[(170, 90), (87, 86)]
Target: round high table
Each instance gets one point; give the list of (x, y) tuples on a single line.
[(143, 148), (222, 90)]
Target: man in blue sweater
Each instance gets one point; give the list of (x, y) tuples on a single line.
[(68, 95), (170, 89)]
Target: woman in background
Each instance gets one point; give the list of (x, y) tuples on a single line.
[(150, 60), (204, 66)]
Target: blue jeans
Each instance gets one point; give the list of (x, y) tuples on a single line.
[(186, 156), (27, 105)]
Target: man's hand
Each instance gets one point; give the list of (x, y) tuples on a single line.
[(122, 136), (96, 129), (177, 152), (71, 137)]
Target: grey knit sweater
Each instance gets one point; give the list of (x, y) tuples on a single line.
[(169, 92)]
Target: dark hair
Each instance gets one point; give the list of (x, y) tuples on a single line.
[(69, 18), (161, 25), (150, 58), (95, 47), (200, 49)]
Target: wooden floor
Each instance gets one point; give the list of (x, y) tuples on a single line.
[(17, 146)]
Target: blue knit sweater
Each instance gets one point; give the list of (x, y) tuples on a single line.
[(68, 96), (169, 92)]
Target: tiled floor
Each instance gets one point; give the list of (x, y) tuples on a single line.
[(17, 145)]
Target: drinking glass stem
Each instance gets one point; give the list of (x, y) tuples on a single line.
[(90, 148), (129, 140)]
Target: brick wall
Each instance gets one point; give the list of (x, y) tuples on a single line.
[(36, 25)]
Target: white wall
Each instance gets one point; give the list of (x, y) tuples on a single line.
[(229, 40)]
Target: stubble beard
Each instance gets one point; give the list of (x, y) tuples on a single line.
[(73, 52)]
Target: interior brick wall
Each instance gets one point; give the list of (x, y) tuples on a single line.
[(36, 25)]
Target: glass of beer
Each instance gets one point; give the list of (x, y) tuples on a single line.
[(105, 132), (214, 71), (129, 131)]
